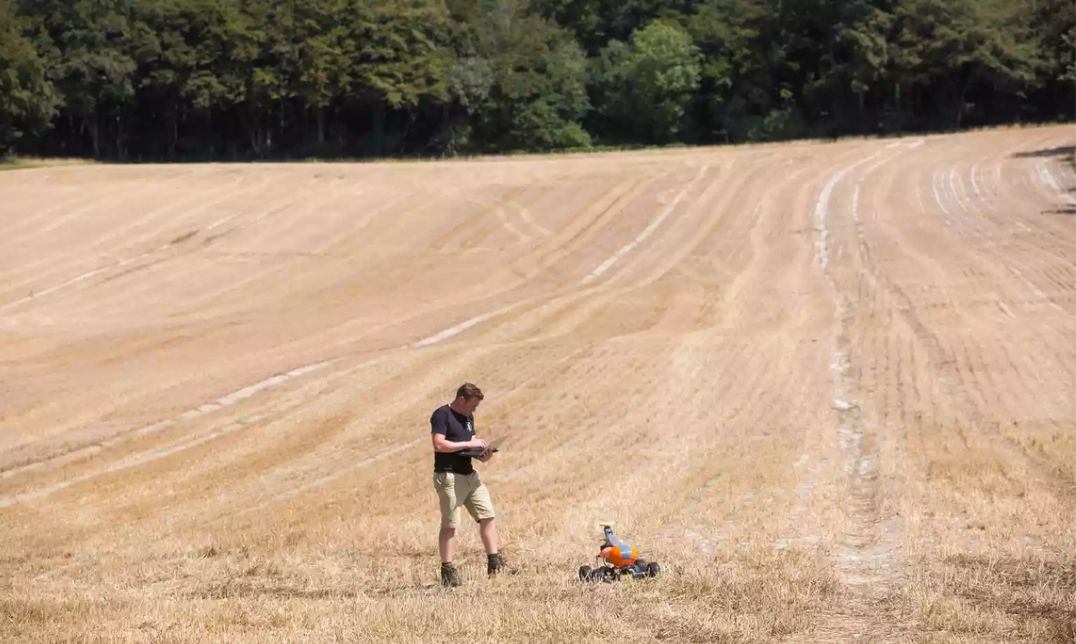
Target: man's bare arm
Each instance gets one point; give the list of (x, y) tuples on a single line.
[(444, 446)]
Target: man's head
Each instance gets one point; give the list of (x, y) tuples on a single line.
[(467, 398)]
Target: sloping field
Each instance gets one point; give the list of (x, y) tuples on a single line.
[(830, 387)]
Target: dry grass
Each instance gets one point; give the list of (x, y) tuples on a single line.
[(739, 597), (1000, 599)]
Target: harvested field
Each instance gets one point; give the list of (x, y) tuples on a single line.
[(831, 387)]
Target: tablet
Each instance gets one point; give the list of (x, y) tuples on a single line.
[(492, 446)]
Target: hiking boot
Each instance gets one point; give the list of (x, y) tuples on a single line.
[(450, 577), (496, 564)]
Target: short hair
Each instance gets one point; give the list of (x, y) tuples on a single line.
[(469, 391)]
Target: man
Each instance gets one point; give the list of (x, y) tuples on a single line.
[(457, 483)]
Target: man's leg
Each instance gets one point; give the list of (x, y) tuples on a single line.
[(490, 541), (446, 537), (448, 497), (446, 544), (480, 506)]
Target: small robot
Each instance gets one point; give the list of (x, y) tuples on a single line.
[(617, 559)]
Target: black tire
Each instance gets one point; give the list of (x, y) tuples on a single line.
[(584, 573), (610, 575), (653, 569)]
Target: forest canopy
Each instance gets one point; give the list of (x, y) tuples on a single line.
[(246, 79)]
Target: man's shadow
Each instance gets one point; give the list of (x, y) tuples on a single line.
[(1068, 151), (1065, 152)]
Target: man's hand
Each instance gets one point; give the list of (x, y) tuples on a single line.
[(486, 455), (476, 442)]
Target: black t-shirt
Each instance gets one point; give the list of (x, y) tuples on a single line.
[(457, 428)]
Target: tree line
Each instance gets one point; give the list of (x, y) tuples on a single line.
[(239, 79)]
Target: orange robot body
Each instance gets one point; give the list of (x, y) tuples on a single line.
[(620, 556)]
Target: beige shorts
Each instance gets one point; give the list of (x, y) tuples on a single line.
[(454, 490)]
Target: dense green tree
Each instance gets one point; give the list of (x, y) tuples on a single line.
[(1054, 24), (93, 49), (202, 66), (597, 22), (401, 58), (538, 90), (856, 65), (735, 72), (651, 81), (27, 100), (947, 48)]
